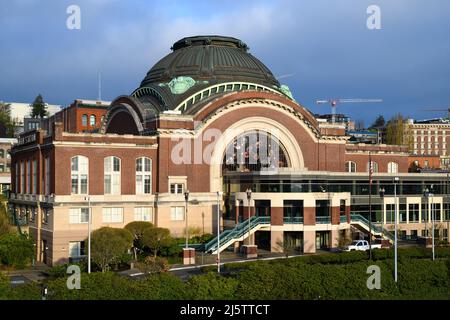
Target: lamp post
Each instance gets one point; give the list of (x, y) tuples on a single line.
[(218, 231), (249, 197), (186, 199), (433, 212), (88, 199), (428, 193), (382, 192), (396, 180), (370, 206)]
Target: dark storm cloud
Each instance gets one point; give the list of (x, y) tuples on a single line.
[(322, 48)]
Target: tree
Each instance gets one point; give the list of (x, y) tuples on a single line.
[(108, 245), (156, 238), (378, 123), (5, 226), (5, 119), (137, 229), (395, 130), (38, 108), (16, 250)]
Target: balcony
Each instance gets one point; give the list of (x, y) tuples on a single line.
[(293, 220), (323, 220)]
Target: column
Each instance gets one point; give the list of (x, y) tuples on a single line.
[(309, 241), (276, 241)]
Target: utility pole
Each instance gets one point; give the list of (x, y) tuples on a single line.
[(218, 231)]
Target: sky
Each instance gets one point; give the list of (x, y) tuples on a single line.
[(321, 49)]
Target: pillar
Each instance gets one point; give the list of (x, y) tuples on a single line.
[(188, 256), (276, 241), (334, 233), (309, 241)]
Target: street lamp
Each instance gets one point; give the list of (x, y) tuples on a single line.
[(382, 191), (88, 199), (218, 230), (428, 193), (186, 198), (249, 197), (396, 180)]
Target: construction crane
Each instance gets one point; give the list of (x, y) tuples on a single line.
[(334, 103), (437, 109)]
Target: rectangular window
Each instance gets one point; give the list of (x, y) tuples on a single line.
[(22, 177), (28, 183), (35, 175), (112, 175), (47, 176), (177, 213), (76, 249), (176, 188), (413, 212), (112, 215), (78, 215), (143, 214), (17, 189), (390, 213), (45, 216)]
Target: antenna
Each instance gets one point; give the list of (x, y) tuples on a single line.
[(99, 76)]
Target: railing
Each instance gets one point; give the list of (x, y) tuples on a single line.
[(293, 220), (237, 232), (323, 220), (375, 228), (343, 219)]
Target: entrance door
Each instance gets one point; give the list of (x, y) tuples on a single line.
[(322, 239)]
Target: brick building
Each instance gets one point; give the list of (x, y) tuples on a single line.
[(212, 119)]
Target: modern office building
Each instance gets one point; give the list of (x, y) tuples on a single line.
[(211, 119)]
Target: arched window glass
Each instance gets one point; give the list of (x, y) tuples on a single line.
[(79, 174), (112, 175), (92, 120), (350, 166), (392, 167), (84, 120), (143, 176), (374, 166)]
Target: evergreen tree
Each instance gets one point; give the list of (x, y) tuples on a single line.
[(38, 108), (5, 119), (378, 123)]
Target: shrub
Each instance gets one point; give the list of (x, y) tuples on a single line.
[(16, 250), (153, 265), (212, 286)]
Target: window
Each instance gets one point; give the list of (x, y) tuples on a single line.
[(22, 177), (47, 176), (84, 120), (79, 174), (76, 249), (143, 214), (45, 216), (177, 213), (112, 215), (447, 211), (92, 120), (28, 177), (413, 212), (390, 213), (17, 189), (176, 188), (143, 176), (426, 164), (2, 167), (34, 191), (78, 215), (102, 119), (2, 153), (350, 166), (392, 167), (374, 166), (112, 175)]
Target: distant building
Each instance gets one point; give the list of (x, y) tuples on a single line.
[(21, 111), (341, 119), (5, 163), (364, 136), (429, 140), (80, 116)]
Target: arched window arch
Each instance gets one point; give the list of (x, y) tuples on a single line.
[(112, 175), (84, 120), (143, 175), (374, 166), (350, 166), (392, 167), (92, 120), (79, 174)]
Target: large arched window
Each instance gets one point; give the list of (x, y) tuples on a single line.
[(92, 120), (112, 175), (79, 174), (254, 151), (374, 166), (392, 167), (143, 176), (350, 166), (84, 120)]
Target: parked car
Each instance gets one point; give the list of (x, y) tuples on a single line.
[(361, 245)]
